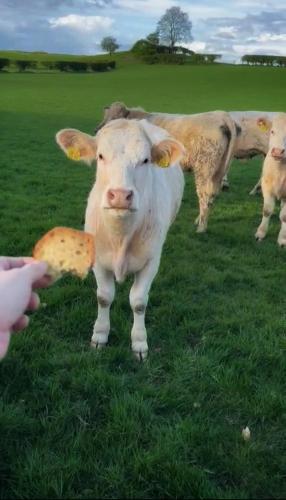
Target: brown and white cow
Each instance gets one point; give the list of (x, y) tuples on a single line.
[(253, 137), (129, 211), (273, 181), (208, 138)]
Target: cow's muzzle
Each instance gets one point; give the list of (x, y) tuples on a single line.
[(278, 153), (120, 198)]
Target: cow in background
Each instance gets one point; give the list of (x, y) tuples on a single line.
[(273, 180), (252, 139)]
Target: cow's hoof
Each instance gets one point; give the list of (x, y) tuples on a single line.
[(141, 355), (259, 235), (97, 345), (282, 243), (201, 229), (140, 350), (225, 187)]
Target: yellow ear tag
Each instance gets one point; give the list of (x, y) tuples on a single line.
[(264, 126), (73, 153), (163, 162)]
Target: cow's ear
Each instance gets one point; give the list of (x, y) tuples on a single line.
[(167, 152), (264, 124), (77, 145)]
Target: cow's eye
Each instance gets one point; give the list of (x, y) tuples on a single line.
[(272, 132), (146, 160), (100, 157)]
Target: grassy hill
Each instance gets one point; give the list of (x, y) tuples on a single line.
[(79, 424)]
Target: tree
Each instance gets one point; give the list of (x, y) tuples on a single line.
[(109, 44), (153, 38), (3, 63), (174, 26)]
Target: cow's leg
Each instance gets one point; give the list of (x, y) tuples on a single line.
[(206, 192), (256, 189), (282, 234), (105, 296), (202, 219), (268, 208), (138, 300)]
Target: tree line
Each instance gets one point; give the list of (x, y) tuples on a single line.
[(151, 53), (264, 60), (72, 66)]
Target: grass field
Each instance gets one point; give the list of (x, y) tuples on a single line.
[(79, 424)]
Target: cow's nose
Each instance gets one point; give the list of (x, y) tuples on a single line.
[(277, 152), (120, 198)]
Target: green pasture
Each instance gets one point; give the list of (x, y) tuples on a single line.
[(75, 423)]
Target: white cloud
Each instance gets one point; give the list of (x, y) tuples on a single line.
[(195, 46), (151, 8), (260, 48), (82, 23), (270, 37), (201, 12), (226, 32), (231, 30)]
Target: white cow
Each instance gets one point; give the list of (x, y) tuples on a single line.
[(129, 211), (253, 137), (273, 181)]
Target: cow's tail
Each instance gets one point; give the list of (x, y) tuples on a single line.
[(231, 131)]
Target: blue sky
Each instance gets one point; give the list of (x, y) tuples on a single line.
[(228, 27)]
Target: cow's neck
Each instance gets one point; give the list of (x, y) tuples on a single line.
[(119, 228), (120, 233)]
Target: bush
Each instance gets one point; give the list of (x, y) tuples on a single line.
[(22, 65), (148, 52), (112, 64), (154, 54), (172, 58), (78, 66), (102, 65), (264, 60), (48, 64), (143, 47), (62, 65), (75, 66), (3, 63)]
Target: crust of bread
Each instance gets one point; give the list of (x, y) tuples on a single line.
[(66, 250)]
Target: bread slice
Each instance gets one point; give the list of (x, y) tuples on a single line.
[(66, 250)]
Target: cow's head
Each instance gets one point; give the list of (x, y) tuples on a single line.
[(277, 141), (113, 112), (126, 152)]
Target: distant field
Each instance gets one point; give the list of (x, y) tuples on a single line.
[(80, 424)]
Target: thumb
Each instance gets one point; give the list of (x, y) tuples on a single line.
[(35, 270)]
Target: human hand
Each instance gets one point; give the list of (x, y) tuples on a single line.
[(18, 277)]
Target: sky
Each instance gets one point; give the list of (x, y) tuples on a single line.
[(228, 27)]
